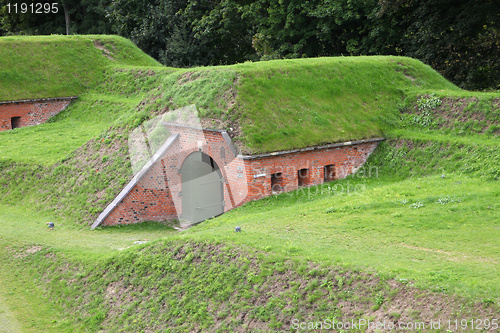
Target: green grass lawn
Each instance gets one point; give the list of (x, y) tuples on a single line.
[(49, 143), (23, 307), (22, 226), (441, 233), (29, 309)]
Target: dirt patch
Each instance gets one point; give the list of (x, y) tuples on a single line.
[(30, 250), (107, 53), (406, 74), (188, 77), (409, 77), (140, 73)]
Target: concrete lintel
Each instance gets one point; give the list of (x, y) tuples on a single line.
[(334, 145), (171, 139), (191, 127)]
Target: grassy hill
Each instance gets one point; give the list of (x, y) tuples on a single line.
[(57, 66), (411, 237)]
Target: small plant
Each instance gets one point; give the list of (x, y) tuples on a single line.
[(429, 102), (402, 280), (425, 105), (379, 299), (443, 201), (446, 200), (340, 281), (424, 119), (416, 205)]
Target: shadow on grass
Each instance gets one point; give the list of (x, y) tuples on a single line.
[(147, 226)]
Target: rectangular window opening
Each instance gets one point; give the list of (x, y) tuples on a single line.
[(303, 177), (330, 173), (15, 122), (277, 182)]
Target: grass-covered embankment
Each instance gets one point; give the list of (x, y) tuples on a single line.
[(287, 104), (185, 285), (58, 66), (265, 106)]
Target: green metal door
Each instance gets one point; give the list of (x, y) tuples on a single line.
[(202, 188)]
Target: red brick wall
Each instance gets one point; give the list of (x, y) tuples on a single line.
[(32, 112), (156, 196), (149, 200), (345, 159)]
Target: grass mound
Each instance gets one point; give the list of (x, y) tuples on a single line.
[(265, 106), (57, 66), (287, 104)]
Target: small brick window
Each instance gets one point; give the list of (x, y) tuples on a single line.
[(303, 177), (15, 122), (330, 173), (277, 182)]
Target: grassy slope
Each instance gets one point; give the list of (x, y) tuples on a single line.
[(55, 66), (299, 103), (40, 67)]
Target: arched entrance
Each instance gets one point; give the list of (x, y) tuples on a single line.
[(202, 188)]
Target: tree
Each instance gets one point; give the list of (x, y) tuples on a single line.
[(459, 38), (71, 17), (183, 33)]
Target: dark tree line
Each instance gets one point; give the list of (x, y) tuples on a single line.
[(459, 38)]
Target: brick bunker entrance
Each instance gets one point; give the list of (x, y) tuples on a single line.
[(197, 174)]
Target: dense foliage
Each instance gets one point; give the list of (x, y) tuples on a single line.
[(460, 39)]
